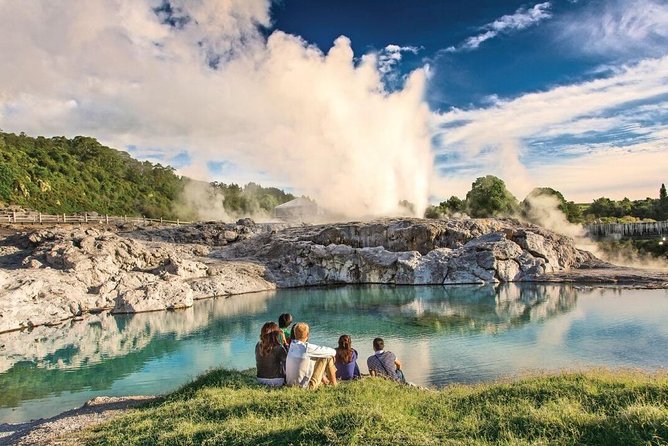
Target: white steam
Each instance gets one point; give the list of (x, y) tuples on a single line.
[(212, 85), (201, 201), (544, 211)]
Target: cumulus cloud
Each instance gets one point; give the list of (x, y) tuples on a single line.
[(522, 18), (619, 27), (199, 76), (498, 137)]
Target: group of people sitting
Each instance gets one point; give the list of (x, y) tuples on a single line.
[(284, 356)]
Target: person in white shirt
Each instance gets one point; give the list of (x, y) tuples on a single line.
[(309, 365)]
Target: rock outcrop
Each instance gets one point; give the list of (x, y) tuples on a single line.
[(48, 276), (411, 252)]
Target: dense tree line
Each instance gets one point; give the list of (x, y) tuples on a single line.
[(650, 208), (61, 175), (250, 199), (489, 197)]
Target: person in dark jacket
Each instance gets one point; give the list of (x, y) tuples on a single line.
[(270, 355)]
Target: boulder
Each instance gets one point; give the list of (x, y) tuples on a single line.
[(230, 278), (185, 268), (165, 294)]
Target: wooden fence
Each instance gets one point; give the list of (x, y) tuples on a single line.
[(628, 230), (21, 218)]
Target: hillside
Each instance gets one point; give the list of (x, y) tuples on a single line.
[(61, 175), (227, 407)]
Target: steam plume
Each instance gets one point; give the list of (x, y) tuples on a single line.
[(544, 210), (199, 76)]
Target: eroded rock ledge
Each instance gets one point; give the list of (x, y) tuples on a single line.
[(50, 275), (410, 251)]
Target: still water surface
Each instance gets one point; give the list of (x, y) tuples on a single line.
[(441, 334)]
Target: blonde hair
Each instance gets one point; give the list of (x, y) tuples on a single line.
[(301, 331)]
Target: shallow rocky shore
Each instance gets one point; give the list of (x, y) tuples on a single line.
[(67, 429), (50, 275)]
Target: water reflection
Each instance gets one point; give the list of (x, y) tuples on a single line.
[(443, 334)]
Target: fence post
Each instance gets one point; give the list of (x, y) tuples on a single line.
[(64, 218), (14, 216), (161, 220), (106, 218), (40, 218), (177, 222), (85, 217)]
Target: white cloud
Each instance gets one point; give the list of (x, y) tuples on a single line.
[(522, 18), (634, 171), (497, 136), (390, 56), (626, 27), (322, 122)]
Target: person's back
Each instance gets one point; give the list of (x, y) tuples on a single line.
[(270, 356), (270, 365), (383, 363), (306, 363), (346, 360)]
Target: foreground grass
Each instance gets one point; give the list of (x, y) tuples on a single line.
[(227, 407)]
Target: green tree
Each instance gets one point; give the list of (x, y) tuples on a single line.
[(602, 207), (61, 175), (623, 207), (489, 197), (8, 178), (433, 212), (662, 211), (570, 209), (453, 204)]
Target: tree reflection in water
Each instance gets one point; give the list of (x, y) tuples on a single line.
[(443, 334), (94, 353)]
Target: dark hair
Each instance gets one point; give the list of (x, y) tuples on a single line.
[(292, 333), (378, 344), (284, 320), (269, 338), (344, 352)]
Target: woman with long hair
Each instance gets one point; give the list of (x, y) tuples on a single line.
[(346, 360), (270, 354)]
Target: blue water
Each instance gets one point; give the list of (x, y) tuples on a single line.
[(441, 334)]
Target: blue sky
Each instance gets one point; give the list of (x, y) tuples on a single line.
[(548, 50), (462, 78), (356, 103), (527, 52)]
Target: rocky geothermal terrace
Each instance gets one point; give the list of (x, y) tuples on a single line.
[(50, 275)]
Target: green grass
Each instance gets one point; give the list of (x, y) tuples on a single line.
[(227, 407)]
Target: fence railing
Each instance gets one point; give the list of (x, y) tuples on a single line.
[(38, 218), (630, 230)]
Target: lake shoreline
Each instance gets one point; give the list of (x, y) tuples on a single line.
[(62, 428), (480, 330)]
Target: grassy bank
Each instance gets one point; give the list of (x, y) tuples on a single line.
[(225, 407)]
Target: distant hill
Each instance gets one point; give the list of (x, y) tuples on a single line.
[(61, 175)]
